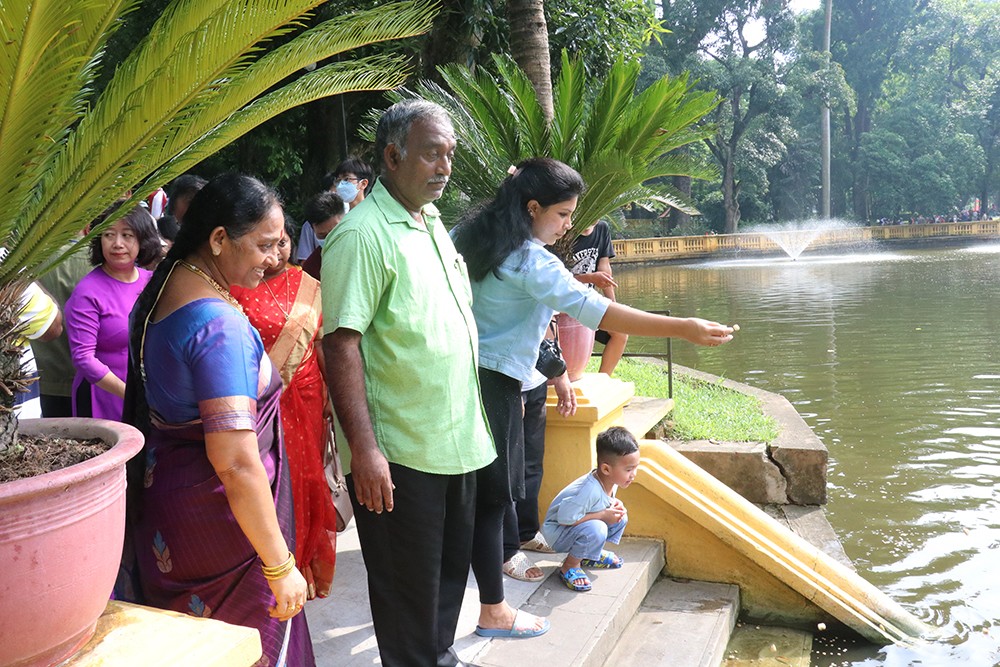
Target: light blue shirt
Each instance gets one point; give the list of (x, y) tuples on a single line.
[(513, 311), (583, 496)]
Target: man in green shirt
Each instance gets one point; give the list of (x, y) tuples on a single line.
[(401, 355)]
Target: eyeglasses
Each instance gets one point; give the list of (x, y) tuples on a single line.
[(352, 179)]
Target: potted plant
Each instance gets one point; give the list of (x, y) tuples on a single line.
[(204, 75)]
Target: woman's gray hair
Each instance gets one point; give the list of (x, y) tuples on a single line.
[(394, 126)]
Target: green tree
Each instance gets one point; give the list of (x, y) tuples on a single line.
[(743, 57), (199, 79), (952, 58), (623, 143), (866, 36)]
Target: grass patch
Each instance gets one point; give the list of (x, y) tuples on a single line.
[(702, 410)]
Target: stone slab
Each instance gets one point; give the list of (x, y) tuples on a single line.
[(680, 623), (643, 414), (745, 467)]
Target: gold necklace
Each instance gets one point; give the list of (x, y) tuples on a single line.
[(223, 292), (286, 311)]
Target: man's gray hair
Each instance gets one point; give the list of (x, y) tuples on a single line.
[(394, 126)]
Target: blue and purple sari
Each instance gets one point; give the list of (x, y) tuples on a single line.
[(206, 371)]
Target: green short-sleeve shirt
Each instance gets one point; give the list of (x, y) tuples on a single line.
[(406, 291)]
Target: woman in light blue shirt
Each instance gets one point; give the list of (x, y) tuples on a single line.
[(517, 286)]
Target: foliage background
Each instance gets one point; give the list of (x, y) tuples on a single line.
[(914, 87)]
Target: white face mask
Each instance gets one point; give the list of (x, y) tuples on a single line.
[(347, 191)]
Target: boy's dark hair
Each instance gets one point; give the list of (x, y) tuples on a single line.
[(323, 206), (168, 227), (614, 443)]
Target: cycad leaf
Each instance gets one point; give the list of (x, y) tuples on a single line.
[(569, 109), (609, 107), (488, 106), (529, 118), (367, 74), (180, 88), (45, 67)]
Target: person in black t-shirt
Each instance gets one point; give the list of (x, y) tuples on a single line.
[(591, 264)]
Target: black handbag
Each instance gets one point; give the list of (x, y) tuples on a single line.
[(550, 361)]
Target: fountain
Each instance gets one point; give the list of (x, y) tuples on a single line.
[(795, 236)]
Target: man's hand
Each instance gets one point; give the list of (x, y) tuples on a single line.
[(372, 480)]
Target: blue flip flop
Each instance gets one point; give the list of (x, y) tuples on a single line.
[(571, 576), (607, 561), (523, 628)]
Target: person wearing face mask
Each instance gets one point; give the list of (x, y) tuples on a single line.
[(328, 209), (350, 180)]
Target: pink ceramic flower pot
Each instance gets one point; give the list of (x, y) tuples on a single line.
[(61, 538), (577, 343)]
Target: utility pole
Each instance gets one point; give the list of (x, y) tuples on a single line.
[(825, 119)]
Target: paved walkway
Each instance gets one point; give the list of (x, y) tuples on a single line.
[(341, 625)]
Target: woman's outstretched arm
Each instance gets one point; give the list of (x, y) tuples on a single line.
[(640, 323)]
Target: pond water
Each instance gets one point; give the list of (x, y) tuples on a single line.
[(891, 357)]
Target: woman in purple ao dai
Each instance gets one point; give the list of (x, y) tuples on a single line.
[(97, 313)]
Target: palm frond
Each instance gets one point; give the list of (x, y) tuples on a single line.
[(528, 115), (623, 144), (366, 74), (487, 104), (569, 109), (46, 65), (609, 107), (138, 126)]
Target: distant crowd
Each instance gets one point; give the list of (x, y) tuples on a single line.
[(967, 215)]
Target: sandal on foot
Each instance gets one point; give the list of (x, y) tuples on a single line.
[(573, 575), (539, 544), (517, 568), (523, 628), (607, 561)]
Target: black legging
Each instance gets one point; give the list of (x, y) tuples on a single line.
[(499, 483)]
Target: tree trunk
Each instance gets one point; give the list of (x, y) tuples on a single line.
[(8, 429), (861, 125), (454, 38), (678, 217), (730, 200), (529, 45)]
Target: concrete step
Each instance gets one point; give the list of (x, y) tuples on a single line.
[(680, 624), (585, 626), (642, 414)]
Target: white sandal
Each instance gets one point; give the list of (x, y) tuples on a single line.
[(517, 568), (537, 543)]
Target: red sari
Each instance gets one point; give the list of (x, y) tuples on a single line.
[(286, 310)]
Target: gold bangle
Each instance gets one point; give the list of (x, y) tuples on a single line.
[(279, 571)]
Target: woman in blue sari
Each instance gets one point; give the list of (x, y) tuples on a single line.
[(211, 524)]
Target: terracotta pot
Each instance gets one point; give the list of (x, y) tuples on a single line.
[(61, 538), (577, 343)]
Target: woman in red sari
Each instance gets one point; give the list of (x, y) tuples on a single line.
[(286, 309)]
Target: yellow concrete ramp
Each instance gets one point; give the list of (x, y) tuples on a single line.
[(714, 534)]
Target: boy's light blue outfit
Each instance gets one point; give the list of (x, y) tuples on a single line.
[(585, 540)]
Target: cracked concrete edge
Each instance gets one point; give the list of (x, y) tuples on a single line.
[(797, 452)]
